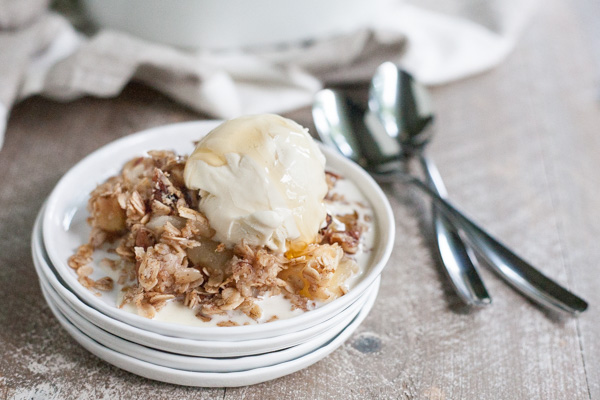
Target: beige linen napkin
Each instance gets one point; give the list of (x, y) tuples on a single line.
[(41, 53)]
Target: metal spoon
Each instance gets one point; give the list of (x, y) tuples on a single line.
[(340, 124), (403, 109)]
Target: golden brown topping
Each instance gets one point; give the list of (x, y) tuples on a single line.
[(166, 251), (104, 284)]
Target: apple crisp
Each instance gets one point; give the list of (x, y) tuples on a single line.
[(149, 218)]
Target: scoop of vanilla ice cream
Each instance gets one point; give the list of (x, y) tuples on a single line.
[(261, 179)]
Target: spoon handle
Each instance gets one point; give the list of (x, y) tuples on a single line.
[(457, 257), (516, 271)]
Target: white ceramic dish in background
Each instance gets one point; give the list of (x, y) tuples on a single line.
[(218, 24), (198, 348), (190, 363), (210, 379), (64, 229)]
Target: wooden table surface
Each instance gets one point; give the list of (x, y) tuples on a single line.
[(519, 149)]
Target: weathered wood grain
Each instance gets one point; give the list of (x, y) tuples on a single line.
[(518, 148)]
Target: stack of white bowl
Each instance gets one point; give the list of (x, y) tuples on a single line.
[(173, 352)]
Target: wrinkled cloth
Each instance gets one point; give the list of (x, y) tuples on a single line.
[(42, 53)]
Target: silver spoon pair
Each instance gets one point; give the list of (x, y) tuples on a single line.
[(396, 126)]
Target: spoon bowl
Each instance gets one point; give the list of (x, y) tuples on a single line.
[(344, 125), (403, 107)]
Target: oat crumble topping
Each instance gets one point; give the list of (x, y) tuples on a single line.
[(166, 250)]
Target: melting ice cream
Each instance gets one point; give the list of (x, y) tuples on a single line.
[(261, 179)]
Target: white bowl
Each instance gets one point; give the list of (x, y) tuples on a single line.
[(218, 24), (192, 363), (209, 379), (203, 348), (64, 229)]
